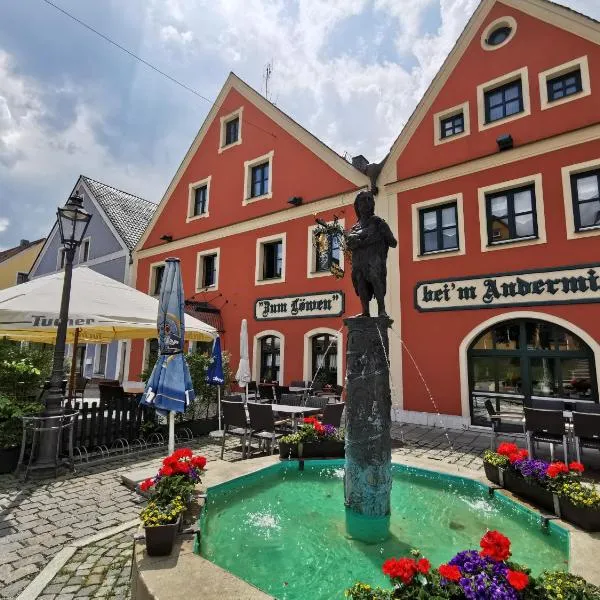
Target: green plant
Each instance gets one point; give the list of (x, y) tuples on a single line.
[(557, 585), (578, 493), (495, 459), (11, 426), (313, 431), (155, 514), (23, 367), (363, 591)]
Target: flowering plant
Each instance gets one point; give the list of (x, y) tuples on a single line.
[(312, 430), (155, 514), (177, 477)]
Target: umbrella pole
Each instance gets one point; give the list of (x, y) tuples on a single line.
[(246, 393), (73, 363), (219, 404), (171, 431)]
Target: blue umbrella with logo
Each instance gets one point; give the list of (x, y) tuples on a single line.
[(214, 375), (169, 389)]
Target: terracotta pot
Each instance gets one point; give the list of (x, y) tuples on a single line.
[(160, 539), (528, 490), (492, 473), (9, 457), (324, 449), (586, 518)]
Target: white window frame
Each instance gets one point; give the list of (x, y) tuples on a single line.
[(311, 254), (200, 269), (544, 76), (192, 197), (256, 353), (566, 173), (445, 114), (152, 277), (536, 180), (83, 242), (248, 178), (496, 24), (416, 227), (238, 113), (307, 362), (258, 269), (97, 370), (523, 75)]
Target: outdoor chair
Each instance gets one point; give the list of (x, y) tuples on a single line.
[(279, 390), (262, 425), (547, 404), (317, 401), (266, 393), (583, 406), (292, 399), (110, 393), (252, 391), (332, 414), (542, 425), (297, 383), (499, 426), (234, 398), (235, 422), (80, 385), (586, 431)]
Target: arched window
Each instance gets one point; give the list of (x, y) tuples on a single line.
[(517, 360), (324, 358), (270, 358)]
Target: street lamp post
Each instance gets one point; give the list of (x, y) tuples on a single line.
[(73, 221)]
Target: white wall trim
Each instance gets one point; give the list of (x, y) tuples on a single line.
[(248, 165), (200, 270), (192, 199), (256, 353), (152, 277), (107, 258), (451, 112), (307, 356), (311, 254), (259, 262), (87, 239), (544, 76), (496, 24), (507, 316)]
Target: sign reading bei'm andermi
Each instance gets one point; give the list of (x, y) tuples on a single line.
[(325, 304), (566, 285)]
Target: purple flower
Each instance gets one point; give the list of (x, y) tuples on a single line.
[(329, 430), (533, 468)]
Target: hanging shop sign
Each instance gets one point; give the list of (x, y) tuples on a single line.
[(325, 304), (567, 285)]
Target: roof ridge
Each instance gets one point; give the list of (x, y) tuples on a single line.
[(86, 178)]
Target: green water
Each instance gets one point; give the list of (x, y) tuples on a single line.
[(284, 530)]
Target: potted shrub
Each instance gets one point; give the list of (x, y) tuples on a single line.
[(161, 522), (492, 464), (312, 440), (579, 503)]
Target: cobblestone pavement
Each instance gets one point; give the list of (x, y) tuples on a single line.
[(38, 518), (100, 570)]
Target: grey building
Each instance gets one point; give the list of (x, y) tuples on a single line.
[(118, 221)]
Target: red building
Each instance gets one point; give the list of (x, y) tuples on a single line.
[(240, 213), (494, 189)]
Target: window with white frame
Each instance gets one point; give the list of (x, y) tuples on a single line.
[(198, 199), (157, 272), (22, 277), (270, 259), (207, 274), (564, 83), (84, 252), (231, 130), (100, 359), (258, 178), (581, 194), (324, 253)]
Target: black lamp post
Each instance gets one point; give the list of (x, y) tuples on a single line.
[(73, 221)]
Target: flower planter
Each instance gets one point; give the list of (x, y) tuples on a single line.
[(160, 539), (529, 491), (323, 449), (492, 472), (9, 457), (582, 516)]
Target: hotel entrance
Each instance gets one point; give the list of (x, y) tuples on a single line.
[(514, 361)]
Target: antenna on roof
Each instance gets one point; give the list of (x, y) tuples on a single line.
[(267, 77)]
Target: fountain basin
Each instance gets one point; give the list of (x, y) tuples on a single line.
[(284, 531)]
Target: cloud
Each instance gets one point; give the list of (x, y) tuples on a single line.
[(4, 223)]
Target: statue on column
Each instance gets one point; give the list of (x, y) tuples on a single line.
[(369, 240)]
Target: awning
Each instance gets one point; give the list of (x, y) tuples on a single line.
[(207, 313)]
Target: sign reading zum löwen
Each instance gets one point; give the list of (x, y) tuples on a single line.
[(567, 285), (325, 304)]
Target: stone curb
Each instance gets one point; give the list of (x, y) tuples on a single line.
[(38, 585)]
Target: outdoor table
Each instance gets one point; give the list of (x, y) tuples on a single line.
[(295, 410), (134, 387)]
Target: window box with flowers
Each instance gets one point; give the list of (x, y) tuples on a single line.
[(312, 440), (161, 523)]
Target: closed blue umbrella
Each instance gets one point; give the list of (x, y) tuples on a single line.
[(169, 389), (214, 374)]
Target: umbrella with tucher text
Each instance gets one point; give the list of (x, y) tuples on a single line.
[(215, 376)]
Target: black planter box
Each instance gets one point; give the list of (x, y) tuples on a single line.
[(582, 516), (529, 491), (324, 449), (9, 457), (492, 473), (160, 539)]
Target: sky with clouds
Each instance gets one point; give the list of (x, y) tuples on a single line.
[(350, 71)]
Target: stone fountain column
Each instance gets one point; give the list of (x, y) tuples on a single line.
[(368, 471)]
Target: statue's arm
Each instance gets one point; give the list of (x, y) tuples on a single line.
[(388, 236)]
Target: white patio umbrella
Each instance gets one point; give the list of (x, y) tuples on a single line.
[(243, 375)]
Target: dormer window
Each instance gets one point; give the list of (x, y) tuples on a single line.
[(231, 130)]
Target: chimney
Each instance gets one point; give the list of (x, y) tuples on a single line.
[(360, 162), (24, 243)]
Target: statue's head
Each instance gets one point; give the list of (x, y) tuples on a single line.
[(364, 205)]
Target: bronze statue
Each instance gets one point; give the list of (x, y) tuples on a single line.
[(369, 241)]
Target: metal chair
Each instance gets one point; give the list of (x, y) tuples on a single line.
[(547, 404), (582, 406), (235, 422), (234, 398), (332, 414), (297, 383), (262, 425), (252, 391), (542, 425), (586, 431), (80, 385), (266, 393), (292, 399), (498, 426), (317, 401)]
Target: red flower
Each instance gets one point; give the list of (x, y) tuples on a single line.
[(519, 455), (199, 462), (182, 453), (576, 466), (507, 448), (556, 468), (423, 565), (311, 420), (146, 484), (517, 579), (182, 467), (166, 471), (495, 545), (170, 461), (400, 568), (450, 572)]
